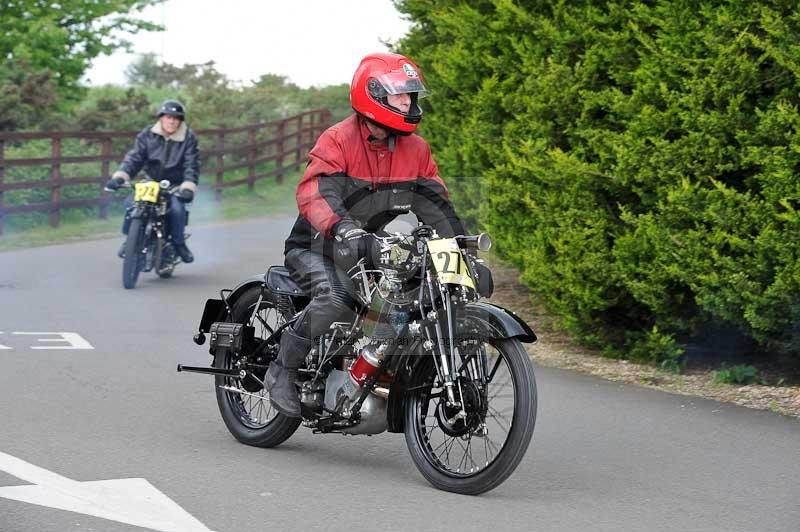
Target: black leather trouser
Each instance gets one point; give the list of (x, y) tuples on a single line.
[(331, 290)]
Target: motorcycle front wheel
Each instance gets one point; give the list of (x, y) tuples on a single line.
[(473, 450), (245, 408), (132, 263)]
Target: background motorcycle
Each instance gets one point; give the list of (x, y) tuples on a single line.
[(423, 356), (149, 243)]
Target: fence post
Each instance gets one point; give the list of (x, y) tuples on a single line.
[(325, 118), (2, 178), (55, 198), (220, 146), (251, 156), (299, 141), (281, 149), (104, 175)]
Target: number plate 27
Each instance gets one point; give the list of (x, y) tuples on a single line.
[(147, 191), (449, 262)]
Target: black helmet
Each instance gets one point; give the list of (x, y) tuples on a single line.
[(171, 108)]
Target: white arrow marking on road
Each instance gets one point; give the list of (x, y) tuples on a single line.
[(133, 501)]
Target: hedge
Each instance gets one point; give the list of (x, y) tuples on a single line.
[(638, 161)]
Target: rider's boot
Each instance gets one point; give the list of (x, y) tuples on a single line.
[(282, 374), (183, 252)]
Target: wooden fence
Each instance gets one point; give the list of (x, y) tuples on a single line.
[(266, 150)]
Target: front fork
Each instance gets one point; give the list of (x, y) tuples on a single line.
[(446, 355), (158, 230)]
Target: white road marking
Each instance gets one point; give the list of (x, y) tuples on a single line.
[(133, 501), (73, 340), (3, 346)]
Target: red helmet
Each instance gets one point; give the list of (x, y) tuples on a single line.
[(380, 75)]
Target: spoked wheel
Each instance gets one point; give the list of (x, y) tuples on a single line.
[(244, 404), (132, 263), (473, 449)]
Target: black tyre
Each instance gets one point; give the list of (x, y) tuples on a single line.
[(249, 415), (132, 263), (473, 454)]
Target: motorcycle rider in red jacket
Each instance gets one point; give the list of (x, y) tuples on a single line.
[(362, 173)]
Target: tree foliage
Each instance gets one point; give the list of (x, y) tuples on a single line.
[(26, 97), (637, 160), (46, 47), (64, 37)]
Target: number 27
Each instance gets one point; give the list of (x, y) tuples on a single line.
[(445, 256)]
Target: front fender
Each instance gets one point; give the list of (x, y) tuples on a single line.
[(137, 211), (494, 322)]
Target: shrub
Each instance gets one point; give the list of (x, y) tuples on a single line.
[(740, 374), (638, 161)]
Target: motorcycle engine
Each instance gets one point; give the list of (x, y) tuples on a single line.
[(340, 394)]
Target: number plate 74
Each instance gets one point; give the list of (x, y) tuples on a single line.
[(449, 262), (147, 191)]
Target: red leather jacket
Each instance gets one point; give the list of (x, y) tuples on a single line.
[(370, 182)]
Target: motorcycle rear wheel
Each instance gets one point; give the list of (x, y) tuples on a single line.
[(132, 263), (249, 416), (473, 455)]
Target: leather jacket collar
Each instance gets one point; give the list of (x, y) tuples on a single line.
[(178, 136)]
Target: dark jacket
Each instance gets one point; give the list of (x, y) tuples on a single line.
[(182, 165), (351, 177)]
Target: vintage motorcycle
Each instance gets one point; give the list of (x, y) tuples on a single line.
[(149, 243), (423, 357)]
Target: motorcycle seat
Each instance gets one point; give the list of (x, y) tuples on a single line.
[(280, 281)]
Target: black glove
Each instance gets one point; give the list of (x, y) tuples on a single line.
[(115, 182), (351, 243), (185, 195), (352, 236)]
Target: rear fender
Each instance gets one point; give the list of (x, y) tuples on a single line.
[(217, 309), (244, 286)]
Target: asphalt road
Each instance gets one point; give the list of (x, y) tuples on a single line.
[(604, 456)]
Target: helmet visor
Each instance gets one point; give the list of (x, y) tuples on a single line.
[(402, 82)]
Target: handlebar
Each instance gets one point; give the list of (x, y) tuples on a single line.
[(481, 242), (124, 185), (171, 189)]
